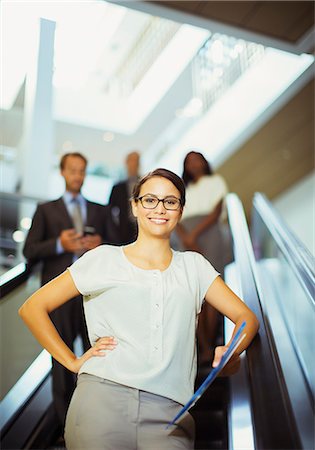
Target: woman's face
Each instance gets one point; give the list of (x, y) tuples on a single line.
[(159, 222), (195, 165)]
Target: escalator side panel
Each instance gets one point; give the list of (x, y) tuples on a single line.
[(23, 427)]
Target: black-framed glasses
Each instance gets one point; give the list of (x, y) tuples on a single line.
[(150, 201)]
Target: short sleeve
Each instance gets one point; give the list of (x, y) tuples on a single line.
[(85, 271), (206, 274)]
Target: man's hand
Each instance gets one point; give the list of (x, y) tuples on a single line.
[(71, 241), (100, 348), (91, 241)]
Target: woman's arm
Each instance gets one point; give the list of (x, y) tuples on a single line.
[(209, 220), (35, 313), (189, 239), (184, 236), (224, 300)]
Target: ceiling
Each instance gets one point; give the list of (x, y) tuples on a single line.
[(288, 22), (104, 57), (281, 152), (286, 25), (279, 155)]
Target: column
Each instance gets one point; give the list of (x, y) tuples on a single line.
[(37, 143)]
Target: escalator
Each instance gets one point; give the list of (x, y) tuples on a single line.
[(27, 414), (268, 404), (270, 401)]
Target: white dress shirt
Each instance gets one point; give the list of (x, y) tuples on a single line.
[(67, 198)]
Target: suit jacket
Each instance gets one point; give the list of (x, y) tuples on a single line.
[(49, 220), (123, 221)]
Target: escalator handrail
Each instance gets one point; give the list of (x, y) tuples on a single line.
[(20, 197), (297, 255), (274, 424), (35, 375), (14, 277), (24, 389)]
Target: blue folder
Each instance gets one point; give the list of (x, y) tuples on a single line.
[(213, 374)]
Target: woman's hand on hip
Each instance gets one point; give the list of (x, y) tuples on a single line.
[(100, 348)]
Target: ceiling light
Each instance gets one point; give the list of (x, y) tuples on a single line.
[(26, 223), (216, 51), (239, 47), (18, 236), (217, 72), (108, 136), (67, 146)]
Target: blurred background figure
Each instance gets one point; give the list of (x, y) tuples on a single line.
[(124, 223), (62, 230), (202, 229)]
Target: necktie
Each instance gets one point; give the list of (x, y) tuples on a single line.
[(77, 216)]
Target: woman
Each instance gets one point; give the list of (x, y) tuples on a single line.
[(200, 226), (147, 297), (202, 229)]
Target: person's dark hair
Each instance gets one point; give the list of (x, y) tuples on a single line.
[(163, 173), (66, 155), (207, 167)]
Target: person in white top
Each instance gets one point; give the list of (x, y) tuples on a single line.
[(204, 209), (141, 303), (202, 229)]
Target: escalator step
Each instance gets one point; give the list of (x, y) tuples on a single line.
[(215, 397), (210, 425), (213, 445)]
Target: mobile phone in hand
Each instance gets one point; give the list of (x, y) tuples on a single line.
[(89, 231)]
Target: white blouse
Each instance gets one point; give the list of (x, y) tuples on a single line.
[(203, 196), (151, 313)]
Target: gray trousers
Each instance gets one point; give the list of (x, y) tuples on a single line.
[(109, 416)]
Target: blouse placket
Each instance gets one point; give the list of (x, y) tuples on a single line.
[(156, 317)]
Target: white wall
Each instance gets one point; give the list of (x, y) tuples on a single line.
[(297, 207)]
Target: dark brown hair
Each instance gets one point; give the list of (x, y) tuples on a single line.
[(66, 155), (163, 173), (206, 165)]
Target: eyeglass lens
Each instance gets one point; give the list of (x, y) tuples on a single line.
[(150, 202)]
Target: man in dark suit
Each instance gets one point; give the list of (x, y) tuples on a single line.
[(62, 230), (124, 223)]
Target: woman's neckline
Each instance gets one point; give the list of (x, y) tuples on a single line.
[(140, 268)]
